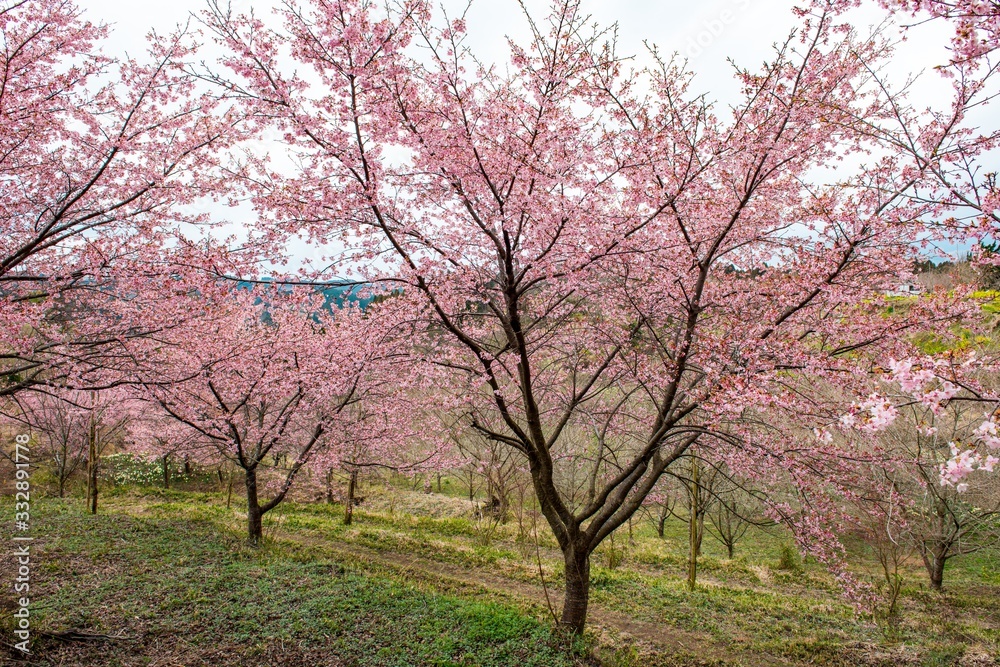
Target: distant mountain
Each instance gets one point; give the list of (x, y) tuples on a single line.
[(336, 293)]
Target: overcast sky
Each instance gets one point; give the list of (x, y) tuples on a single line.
[(707, 32)]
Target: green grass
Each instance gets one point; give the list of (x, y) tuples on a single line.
[(190, 583), (171, 569)]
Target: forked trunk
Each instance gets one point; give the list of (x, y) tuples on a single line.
[(574, 615)]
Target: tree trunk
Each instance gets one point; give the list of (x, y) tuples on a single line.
[(166, 471), (730, 547), (93, 489), (229, 493), (255, 529), (934, 561), (937, 574), (694, 538), (692, 577), (574, 614), (92, 468), (329, 486), (352, 485), (700, 530)]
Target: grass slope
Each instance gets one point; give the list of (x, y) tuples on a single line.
[(170, 571), (186, 590)]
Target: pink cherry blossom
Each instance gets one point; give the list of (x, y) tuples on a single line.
[(590, 243)]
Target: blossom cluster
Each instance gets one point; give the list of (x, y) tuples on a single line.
[(873, 414), (920, 381), (965, 460)]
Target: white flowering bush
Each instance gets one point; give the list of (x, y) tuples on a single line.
[(127, 469), (124, 469)]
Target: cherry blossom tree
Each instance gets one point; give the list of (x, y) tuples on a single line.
[(942, 522), (931, 480), (977, 23), (156, 435), (74, 429), (951, 162), (108, 414), (390, 425), (268, 380), (59, 426), (98, 158), (586, 238), (929, 388)]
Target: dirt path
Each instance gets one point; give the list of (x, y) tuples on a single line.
[(662, 637)]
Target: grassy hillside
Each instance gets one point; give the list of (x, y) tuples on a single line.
[(167, 577)]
